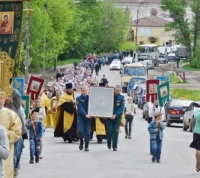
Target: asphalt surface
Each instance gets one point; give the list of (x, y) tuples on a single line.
[(132, 160)]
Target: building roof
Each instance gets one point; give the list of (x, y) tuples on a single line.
[(152, 21)]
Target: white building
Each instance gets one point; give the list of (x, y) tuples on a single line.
[(146, 8)]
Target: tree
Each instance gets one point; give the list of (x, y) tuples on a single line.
[(48, 30), (186, 30), (180, 24)]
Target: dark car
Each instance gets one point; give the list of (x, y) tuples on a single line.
[(175, 109), (171, 57), (142, 98), (137, 92), (155, 62), (133, 82)]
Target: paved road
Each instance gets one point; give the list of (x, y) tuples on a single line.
[(132, 160)]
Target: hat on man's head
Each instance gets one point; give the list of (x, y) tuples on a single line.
[(69, 86), (2, 94), (102, 84), (156, 114)]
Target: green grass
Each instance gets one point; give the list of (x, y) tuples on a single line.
[(184, 61), (68, 61), (174, 79), (188, 67)]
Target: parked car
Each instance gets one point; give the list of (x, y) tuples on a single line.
[(137, 92), (188, 118), (145, 113), (175, 109), (133, 82), (115, 65), (128, 60), (148, 63), (162, 59), (155, 61), (142, 98), (171, 57)]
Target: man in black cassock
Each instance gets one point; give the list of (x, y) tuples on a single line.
[(66, 120)]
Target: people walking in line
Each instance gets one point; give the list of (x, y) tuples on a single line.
[(83, 119), (196, 139), (113, 123), (129, 115), (35, 128), (4, 153), (155, 129), (96, 68)]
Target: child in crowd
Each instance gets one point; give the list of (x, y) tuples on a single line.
[(35, 128), (129, 114), (156, 136)]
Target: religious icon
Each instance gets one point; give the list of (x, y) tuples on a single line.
[(6, 22), (152, 88), (26, 104), (35, 85), (163, 91), (54, 104), (101, 102)]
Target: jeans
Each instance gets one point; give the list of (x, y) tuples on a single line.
[(18, 146), (128, 126), (84, 128), (177, 62), (113, 131), (156, 148), (34, 148)]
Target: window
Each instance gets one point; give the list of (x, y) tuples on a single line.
[(154, 12)]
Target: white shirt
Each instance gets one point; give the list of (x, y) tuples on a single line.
[(158, 109)]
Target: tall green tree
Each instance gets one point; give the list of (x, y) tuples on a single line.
[(48, 30), (187, 28)]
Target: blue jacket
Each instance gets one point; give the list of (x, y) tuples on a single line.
[(39, 129), (119, 105), (82, 105), (152, 130)]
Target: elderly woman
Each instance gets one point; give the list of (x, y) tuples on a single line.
[(196, 139)]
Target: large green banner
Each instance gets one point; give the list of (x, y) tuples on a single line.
[(10, 30)]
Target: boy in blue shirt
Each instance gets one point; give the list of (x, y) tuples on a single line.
[(156, 135), (35, 128)]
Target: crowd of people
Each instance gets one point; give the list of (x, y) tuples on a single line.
[(63, 106)]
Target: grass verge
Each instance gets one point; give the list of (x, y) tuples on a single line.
[(175, 80), (188, 67), (180, 93), (67, 61)]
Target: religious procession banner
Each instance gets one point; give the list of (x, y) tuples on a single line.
[(151, 90), (163, 93), (162, 79), (11, 13)]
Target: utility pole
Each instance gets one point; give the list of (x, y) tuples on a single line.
[(45, 41), (27, 61), (136, 34)]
